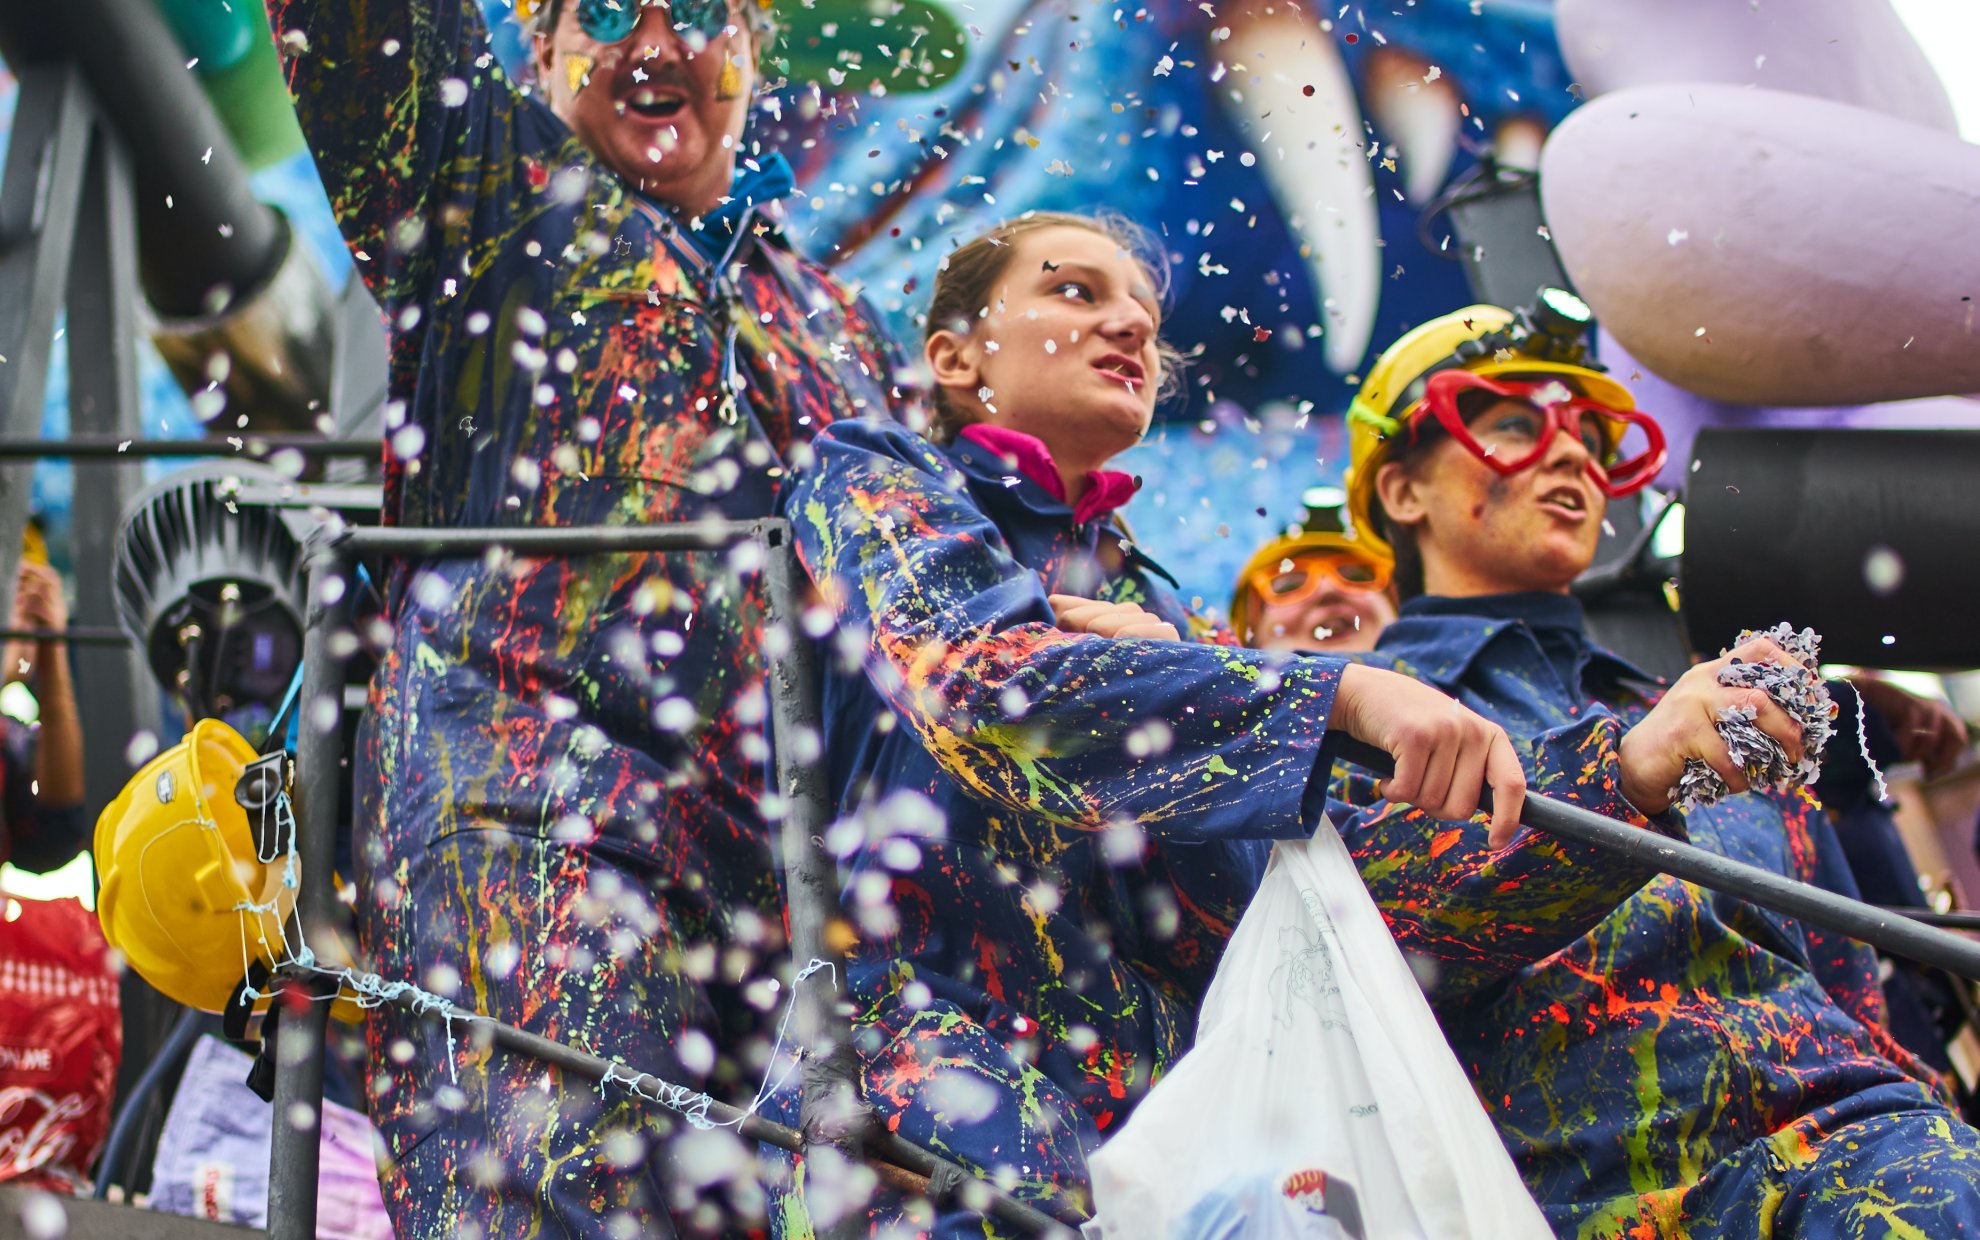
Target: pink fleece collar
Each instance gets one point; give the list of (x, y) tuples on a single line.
[(1106, 489)]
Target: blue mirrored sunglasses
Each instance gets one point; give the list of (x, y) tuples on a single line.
[(610, 21)]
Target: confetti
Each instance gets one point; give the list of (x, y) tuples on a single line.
[(1801, 692), (1883, 571)]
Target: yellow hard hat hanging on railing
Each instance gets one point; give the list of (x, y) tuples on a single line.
[(194, 893)]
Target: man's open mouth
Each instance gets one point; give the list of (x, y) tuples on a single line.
[(658, 105)]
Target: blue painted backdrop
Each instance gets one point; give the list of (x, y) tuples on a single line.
[(1080, 105)]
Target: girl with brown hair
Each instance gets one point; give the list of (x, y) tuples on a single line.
[(1058, 788)]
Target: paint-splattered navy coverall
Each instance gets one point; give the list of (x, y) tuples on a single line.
[(559, 770), (1025, 968), (1661, 1061)]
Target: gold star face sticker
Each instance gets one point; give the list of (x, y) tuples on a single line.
[(577, 71)]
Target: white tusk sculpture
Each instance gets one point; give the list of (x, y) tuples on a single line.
[(1316, 161), (1416, 109)]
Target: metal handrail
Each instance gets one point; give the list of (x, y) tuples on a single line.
[(1899, 932), (901, 1165), (249, 445)]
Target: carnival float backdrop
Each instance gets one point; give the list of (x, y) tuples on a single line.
[(1289, 159)]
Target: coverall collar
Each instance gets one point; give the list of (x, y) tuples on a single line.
[(1106, 489), (1440, 638)]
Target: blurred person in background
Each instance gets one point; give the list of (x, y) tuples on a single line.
[(1316, 591), (41, 742), (1879, 725), (58, 979)]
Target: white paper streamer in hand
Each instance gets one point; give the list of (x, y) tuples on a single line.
[(1800, 691)]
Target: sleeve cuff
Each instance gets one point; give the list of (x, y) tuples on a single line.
[(1313, 806), (1579, 764)]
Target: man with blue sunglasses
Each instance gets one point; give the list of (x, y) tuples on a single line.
[(659, 91), (595, 320)]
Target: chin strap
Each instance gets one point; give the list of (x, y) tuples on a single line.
[(238, 1022)]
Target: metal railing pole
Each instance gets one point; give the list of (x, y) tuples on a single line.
[(295, 1148), (1897, 933), (247, 445), (902, 1167), (833, 1114), (1958, 920), (408, 541), (74, 635)]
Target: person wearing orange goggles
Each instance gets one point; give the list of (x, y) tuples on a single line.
[(1316, 591)]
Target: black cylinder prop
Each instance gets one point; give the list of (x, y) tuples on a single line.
[(1502, 235), (1866, 536), (224, 271), (204, 240)]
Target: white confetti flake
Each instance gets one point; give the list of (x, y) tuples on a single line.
[(1883, 571)]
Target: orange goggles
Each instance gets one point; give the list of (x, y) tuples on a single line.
[(1303, 574)]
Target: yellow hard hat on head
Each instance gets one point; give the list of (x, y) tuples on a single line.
[(1269, 558), (1492, 335)]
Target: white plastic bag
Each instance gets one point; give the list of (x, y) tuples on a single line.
[(1320, 1100)]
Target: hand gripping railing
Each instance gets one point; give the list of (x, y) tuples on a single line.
[(832, 1114), (1901, 932)]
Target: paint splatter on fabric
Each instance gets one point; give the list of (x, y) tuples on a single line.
[(1047, 837), (561, 355), (1605, 1012), (1661, 1060)]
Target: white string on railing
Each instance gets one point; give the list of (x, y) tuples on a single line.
[(691, 1105), (369, 990), (694, 1106), (1863, 746)]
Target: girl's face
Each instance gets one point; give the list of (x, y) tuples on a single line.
[(1067, 349), (1480, 532)]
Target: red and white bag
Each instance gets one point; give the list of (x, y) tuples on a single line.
[(60, 1039)]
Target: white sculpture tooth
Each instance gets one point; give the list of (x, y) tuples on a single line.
[(1415, 109), (1316, 161), (1518, 143)]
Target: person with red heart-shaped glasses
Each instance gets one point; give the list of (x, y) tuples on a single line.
[(1520, 392), (1487, 447)]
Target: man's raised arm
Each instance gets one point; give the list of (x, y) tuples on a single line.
[(412, 123)]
